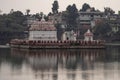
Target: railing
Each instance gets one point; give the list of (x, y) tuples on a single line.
[(58, 43)]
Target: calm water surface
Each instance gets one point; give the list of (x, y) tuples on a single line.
[(95, 64)]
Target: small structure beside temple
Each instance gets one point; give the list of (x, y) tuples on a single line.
[(69, 35), (88, 36)]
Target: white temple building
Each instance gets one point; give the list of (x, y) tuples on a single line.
[(46, 31), (69, 35), (88, 36), (43, 30)]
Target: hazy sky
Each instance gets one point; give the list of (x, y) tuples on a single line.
[(45, 5)]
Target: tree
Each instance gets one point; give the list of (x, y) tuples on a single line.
[(12, 26), (49, 14), (41, 14), (11, 22), (11, 11), (0, 11), (37, 16), (102, 30), (118, 12), (108, 11), (27, 12), (55, 7), (46, 18), (18, 17), (60, 30), (71, 16), (85, 7)]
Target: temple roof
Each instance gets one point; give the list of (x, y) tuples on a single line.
[(88, 33), (42, 26)]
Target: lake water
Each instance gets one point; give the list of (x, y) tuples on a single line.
[(65, 64)]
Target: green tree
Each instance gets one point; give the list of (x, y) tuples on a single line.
[(46, 17), (41, 14), (102, 30), (37, 16), (71, 16), (119, 12), (7, 20), (12, 25), (27, 12), (55, 7), (0, 11), (18, 17), (12, 10), (108, 11), (85, 6)]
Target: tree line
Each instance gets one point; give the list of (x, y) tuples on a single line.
[(14, 24)]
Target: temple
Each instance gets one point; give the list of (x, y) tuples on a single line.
[(43, 35), (43, 30)]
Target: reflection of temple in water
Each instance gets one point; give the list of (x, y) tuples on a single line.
[(62, 64)]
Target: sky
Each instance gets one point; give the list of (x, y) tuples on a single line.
[(37, 6)]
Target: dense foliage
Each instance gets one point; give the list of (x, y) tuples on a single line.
[(71, 16), (102, 30), (85, 7), (12, 25), (12, 22), (55, 7), (118, 12), (108, 11)]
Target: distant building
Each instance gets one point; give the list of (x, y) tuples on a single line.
[(88, 18), (115, 25), (114, 21), (58, 18), (43, 30)]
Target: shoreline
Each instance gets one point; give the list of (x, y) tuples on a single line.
[(112, 44), (106, 44), (4, 46)]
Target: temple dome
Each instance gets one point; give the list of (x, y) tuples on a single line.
[(88, 33)]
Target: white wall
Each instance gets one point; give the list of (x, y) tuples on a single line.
[(70, 35), (85, 17), (43, 35), (88, 38)]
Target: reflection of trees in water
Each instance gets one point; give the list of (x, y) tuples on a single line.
[(45, 60), (72, 64), (113, 54), (71, 76), (50, 63), (14, 61)]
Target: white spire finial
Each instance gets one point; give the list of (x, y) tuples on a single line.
[(88, 31)]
